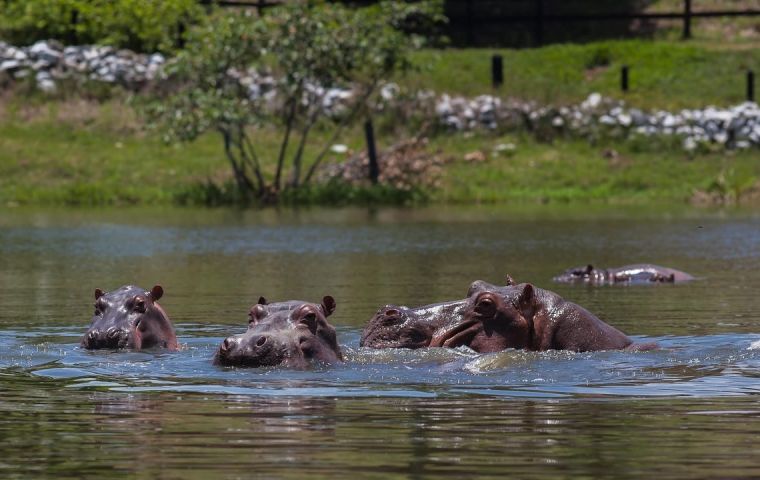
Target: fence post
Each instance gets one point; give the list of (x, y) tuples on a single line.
[(624, 78), (686, 19), (497, 71), (374, 168), (538, 32), (750, 86)]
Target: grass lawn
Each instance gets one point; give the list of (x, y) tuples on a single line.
[(54, 153), (662, 74)]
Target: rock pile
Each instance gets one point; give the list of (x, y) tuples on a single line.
[(404, 166), (733, 127), (49, 62)]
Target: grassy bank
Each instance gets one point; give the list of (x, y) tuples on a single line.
[(663, 74), (49, 163), (70, 151)]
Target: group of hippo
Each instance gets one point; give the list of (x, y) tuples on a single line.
[(296, 333)]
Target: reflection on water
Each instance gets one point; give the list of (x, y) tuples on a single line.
[(688, 410)]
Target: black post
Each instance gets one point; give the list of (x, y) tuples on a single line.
[(538, 32), (750, 86), (624, 78), (374, 168), (686, 19), (497, 71)]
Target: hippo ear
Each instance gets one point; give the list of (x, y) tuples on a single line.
[(262, 301), (510, 281), (328, 305), (156, 292), (526, 302), (99, 293)]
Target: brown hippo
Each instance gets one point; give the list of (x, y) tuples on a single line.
[(396, 326), (129, 317), (525, 317), (292, 333), (639, 273)]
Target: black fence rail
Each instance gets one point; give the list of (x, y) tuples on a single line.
[(537, 22)]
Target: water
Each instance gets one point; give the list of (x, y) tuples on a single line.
[(688, 410)]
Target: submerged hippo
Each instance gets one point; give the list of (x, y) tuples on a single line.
[(639, 273), (525, 317), (129, 317), (395, 326), (293, 334)]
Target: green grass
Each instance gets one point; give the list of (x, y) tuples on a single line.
[(574, 170), (58, 151), (662, 74)]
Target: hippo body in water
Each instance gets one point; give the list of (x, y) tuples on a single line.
[(292, 334), (639, 273), (129, 317), (494, 318), (525, 317)]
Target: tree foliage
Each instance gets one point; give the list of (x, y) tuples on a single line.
[(307, 48), (141, 25)]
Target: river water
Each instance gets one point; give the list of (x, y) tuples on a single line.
[(688, 410)]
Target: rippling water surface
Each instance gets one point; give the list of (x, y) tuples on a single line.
[(688, 410)]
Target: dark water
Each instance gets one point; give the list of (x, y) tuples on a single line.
[(689, 410)]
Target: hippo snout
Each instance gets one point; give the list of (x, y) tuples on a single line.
[(113, 338), (252, 350)]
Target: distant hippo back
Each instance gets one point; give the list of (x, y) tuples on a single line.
[(129, 317), (627, 274)]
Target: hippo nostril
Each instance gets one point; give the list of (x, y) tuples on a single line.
[(112, 333), (226, 344), (261, 341)]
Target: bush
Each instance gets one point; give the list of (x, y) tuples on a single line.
[(141, 25)]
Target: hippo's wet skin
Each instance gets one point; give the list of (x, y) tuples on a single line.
[(639, 273), (129, 317), (395, 326), (292, 334), (526, 317)]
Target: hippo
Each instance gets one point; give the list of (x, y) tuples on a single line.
[(129, 317), (292, 334), (396, 326), (526, 317), (639, 273)]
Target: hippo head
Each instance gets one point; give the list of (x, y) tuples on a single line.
[(129, 317), (578, 274), (292, 334), (394, 326), (482, 286), (493, 320)]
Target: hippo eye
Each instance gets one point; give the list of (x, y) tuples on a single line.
[(140, 306), (310, 321)]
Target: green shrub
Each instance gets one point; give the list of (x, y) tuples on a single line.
[(142, 25)]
